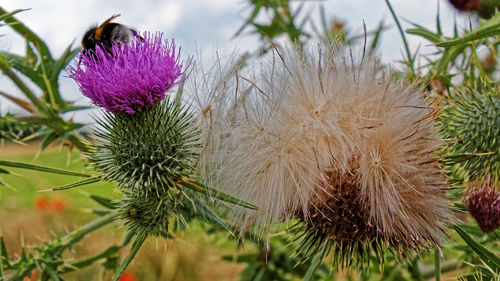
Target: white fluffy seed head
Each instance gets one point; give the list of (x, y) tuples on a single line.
[(275, 136)]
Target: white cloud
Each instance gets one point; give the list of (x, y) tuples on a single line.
[(164, 17)]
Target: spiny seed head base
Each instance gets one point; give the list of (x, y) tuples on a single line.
[(343, 214), (340, 222), (149, 151)]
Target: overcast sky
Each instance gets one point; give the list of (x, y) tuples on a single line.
[(206, 23)]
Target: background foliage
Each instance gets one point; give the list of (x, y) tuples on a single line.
[(462, 84)]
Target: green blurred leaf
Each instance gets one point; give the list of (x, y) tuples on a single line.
[(198, 187), (25, 32), (4, 257), (40, 168), (21, 103), (31, 55), (6, 15), (409, 57), (5, 68), (111, 263), (449, 55), (106, 254), (73, 108), (105, 202), (52, 273), (425, 33), (376, 35), (207, 213), (139, 240), (60, 64), (49, 138), (487, 256), (38, 65), (24, 66), (487, 29), (76, 184)]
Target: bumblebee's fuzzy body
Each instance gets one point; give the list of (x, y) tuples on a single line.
[(106, 34)]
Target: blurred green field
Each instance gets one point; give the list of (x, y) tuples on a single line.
[(29, 217), (24, 186)]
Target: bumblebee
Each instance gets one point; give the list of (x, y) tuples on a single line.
[(106, 34)]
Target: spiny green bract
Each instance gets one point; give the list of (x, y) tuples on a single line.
[(315, 244), (151, 214), (13, 129), (149, 151), (472, 125)]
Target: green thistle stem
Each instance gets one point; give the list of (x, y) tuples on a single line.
[(139, 240), (403, 37), (437, 265), (446, 266), (2, 254)]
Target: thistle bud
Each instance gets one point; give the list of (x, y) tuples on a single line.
[(483, 203), (472, 124)]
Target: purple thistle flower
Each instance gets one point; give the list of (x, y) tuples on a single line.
[(129, 76), (483, 203)]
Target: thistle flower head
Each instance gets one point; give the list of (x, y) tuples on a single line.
[(333, 140), (483, 203), (133, 75)]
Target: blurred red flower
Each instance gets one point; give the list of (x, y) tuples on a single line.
[(33, 277), (128, 276), (58, 204), (46, 204), (42, 203)]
